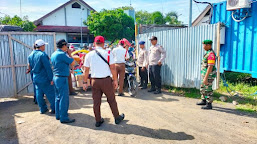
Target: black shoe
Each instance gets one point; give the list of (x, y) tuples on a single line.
[(152, 90), (158, 92), (68, 121), (119, 118), (52, 111), (144, 87), (57, 118), (140, 85), (121, 94), (73, 93), (207, 106), (44, 111), (203, 102), (98, 124)]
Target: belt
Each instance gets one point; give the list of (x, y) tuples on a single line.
[(60, 76), (101, 78)]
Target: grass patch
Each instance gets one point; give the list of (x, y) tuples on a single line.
[(245, 108), (247, 102), (243, 89)]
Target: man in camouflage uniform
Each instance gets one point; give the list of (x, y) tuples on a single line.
[(208, 74)]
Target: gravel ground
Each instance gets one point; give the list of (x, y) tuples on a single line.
[(149, 119)]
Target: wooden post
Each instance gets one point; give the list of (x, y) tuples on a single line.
[(137, 49), (218, 54), (13, 66), (54, 42)]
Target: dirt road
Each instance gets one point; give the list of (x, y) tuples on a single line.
[(149, 119)]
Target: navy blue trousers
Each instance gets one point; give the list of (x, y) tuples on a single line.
[(155, 76)]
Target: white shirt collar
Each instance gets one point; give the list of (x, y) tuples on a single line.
[(98, 47)]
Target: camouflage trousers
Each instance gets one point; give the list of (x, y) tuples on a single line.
[(206, 90)]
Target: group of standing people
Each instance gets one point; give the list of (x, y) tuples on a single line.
[(52, 82), (152, 60), (107, 73)]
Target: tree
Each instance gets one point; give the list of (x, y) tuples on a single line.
[(17, 21), (172, 14), (172, 18), (112, 24), (157, 18), (143, 17), (126, 8)]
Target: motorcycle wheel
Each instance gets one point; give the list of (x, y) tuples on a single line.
[(134, 88)]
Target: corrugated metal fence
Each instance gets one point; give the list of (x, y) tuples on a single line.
[(15, 48), (184, 54), (239, 53)]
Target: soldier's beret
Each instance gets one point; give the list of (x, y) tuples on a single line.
[(207, 42)]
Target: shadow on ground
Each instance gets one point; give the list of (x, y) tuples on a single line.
[(8, 110), (87, 121), (144, 95)]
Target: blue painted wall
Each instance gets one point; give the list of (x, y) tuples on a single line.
[(239, 53)]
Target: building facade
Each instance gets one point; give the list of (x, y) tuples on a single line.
[(67, 22)]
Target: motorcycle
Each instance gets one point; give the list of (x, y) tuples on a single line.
[(130, 81)]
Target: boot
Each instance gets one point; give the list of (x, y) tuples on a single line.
[(207, 106), (203, 102)]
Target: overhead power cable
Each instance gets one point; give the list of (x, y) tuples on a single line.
[(210, 17)]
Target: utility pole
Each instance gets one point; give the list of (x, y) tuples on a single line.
[(20, 10), (81, 35), (190, 14)]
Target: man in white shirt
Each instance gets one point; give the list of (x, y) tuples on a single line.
[(101, 64), (120, 55), (157, 55)]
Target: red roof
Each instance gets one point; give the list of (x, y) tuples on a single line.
[(66, 29)]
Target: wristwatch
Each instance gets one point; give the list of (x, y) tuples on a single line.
[(84, 82)]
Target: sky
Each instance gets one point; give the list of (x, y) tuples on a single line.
[(35, 9)]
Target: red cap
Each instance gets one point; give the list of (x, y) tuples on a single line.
[(99, 39), (121, 42), (126, 42)]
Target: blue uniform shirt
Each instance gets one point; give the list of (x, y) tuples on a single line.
[(61, 63), (40, 67)]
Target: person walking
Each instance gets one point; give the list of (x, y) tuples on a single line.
[(120, 55), (208, 73), (157, 54), (101, 64), (142, 63), (42, 73), (61, 61)]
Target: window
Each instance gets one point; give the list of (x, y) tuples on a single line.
[(76, 38), (76, 5)]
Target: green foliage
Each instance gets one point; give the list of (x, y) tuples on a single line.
[(143, 17), (157, 18), (17, 21), (112, 24), (172, 14), (244, 89), (126, 8), (247, 102), (234, 77)]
